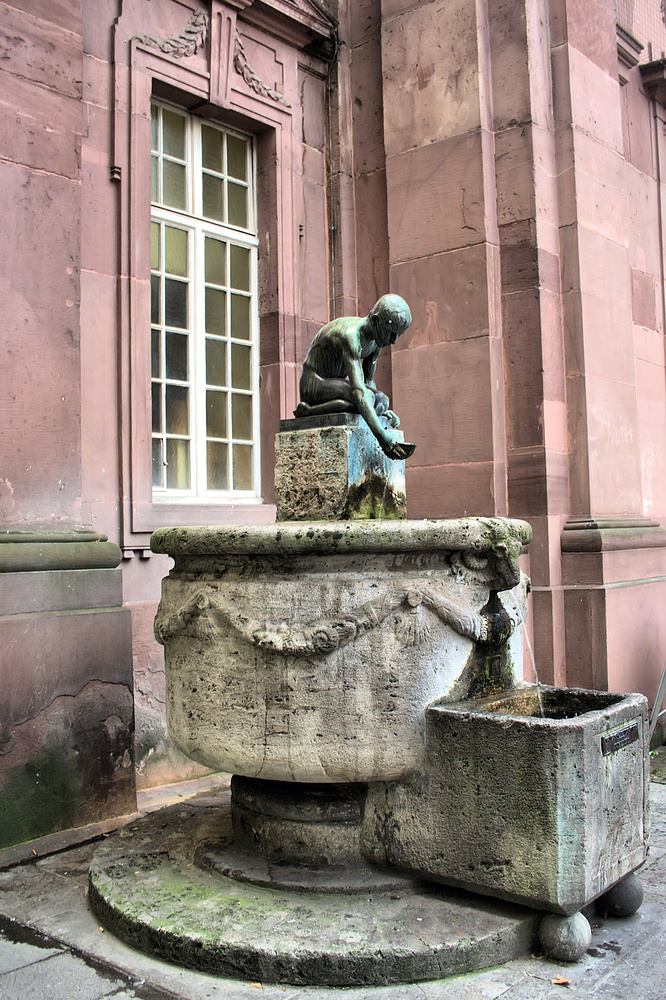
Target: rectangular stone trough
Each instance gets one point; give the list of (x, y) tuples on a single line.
[(546, 811)]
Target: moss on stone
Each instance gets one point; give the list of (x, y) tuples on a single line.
[(174, 910), (373, 499), (41, 797)]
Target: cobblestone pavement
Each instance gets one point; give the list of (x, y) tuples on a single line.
[(52, 948)]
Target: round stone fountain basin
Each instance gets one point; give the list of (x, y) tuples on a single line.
[(309, 651)]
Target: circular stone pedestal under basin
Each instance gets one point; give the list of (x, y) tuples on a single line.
[(147, 887)]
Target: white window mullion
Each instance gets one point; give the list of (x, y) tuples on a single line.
[(199, 442), (197, 209), (255, 368), (199, 351), (228, 350)]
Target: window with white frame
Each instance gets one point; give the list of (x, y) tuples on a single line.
[(204, 350)]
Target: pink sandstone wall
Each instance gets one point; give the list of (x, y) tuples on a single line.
[(66, 706), (40, 468), (522, 161), (504, 172)]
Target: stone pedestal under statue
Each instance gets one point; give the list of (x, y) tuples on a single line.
[(330, 468)]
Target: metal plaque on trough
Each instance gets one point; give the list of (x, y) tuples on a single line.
[(620, 738)]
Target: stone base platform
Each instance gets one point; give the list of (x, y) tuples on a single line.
[(150, 886)]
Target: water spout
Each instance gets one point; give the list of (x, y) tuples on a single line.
[(533, 661)]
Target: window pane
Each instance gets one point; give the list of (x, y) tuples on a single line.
[(155, 358), (211, 148), (242, 467), (173, 134), (216, 270), (156, 399), (154, 128), (237, 157), (240, 268), (240, 317), (216, 310), (175, 303), (213, 197), (177, 410), (158, 464), (155, 298), (175, 251), (218, 461), (216, 414), (241, 416), (173, 184), (241, 377), (178, 464), (155, 246), (176, 356), (154, 178), (237, 205), (216, 362)]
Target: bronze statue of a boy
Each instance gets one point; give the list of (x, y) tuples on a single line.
[(339, 370)]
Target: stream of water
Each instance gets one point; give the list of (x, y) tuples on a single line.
[(533, 661)]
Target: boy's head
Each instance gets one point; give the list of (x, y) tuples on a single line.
[(389, 317)]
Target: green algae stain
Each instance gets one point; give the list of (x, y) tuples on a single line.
[(42, 797), (374, 499)]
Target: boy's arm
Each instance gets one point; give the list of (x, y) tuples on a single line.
[(369, 369), (365, 403)]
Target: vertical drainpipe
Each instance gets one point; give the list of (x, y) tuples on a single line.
[(332, 89), (658, 121)]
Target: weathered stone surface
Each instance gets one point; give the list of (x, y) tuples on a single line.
[(332, 468), (291, 835), (565, 939), (309, 651), (32, 48), (547, 811), (59, 590), (56, 550), (41, 475), (140, 877), (441, 182), (625, 898), (450, 373), (72, 764), (448, 294), (372, 241), (66, 706), (431, 51), (158, 761)]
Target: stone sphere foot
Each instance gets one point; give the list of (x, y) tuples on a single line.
[(565, 939), (623, 899)]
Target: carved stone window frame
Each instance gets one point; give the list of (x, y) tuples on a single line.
[(200, 56)]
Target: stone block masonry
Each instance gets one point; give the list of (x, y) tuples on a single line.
[(332, 468)]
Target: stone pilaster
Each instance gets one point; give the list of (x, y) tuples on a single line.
[(66, 702)]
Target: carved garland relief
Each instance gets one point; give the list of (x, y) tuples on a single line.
[(187, 43), (191, 40), (202, 613), (243, 67)]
